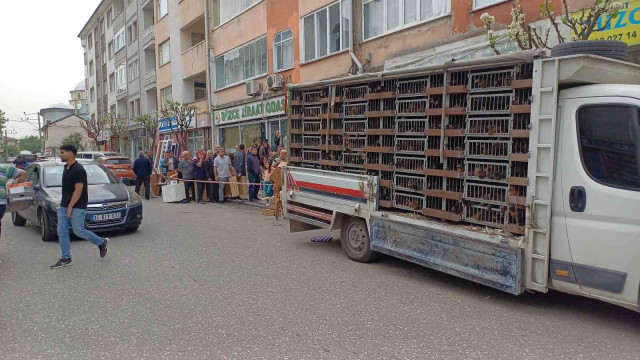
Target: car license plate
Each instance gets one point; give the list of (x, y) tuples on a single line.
[(106, 217), (120, 170)]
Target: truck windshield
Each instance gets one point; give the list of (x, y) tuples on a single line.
[(609, 144), (96, 175)]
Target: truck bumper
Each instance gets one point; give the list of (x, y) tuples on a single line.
[(499, 266)]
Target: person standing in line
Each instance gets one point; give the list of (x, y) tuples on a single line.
[(266, 177), (263, 151), (239, 162), (142, 170), (150, 157), (200, 174), (186, 168), (212, 189), (276, 141), (253, 165), (8, 172), (73, 207), (223, 171), (282, 159)]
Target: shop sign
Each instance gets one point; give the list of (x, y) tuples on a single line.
[(168, 124), (250, 111), (625, 27)]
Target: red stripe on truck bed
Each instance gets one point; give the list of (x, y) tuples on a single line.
[(318, 214), (330, 189)]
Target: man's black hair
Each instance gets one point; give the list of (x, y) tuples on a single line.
[(70, 147), (241, 146)]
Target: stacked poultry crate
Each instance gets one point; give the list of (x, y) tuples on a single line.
[(450, 145)]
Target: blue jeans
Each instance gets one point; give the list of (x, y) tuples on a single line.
[(77, 224), (253, 189), (268, 188)]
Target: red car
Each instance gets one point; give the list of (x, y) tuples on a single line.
[(120, 166)]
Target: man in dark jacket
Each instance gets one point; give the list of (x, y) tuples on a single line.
[(253, 165), (142, 169), (212, 189)]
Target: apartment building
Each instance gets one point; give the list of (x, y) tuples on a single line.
[(120, 62), (255, 46), (182, 71)]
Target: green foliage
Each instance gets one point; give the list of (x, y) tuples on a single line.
[(12, 151), (150, 124), (31, 143), (74, 139), (179, 117), (3, 120)]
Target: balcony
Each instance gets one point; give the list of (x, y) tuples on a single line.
[(191, 11), (148, 37), (121, 90), (150, 77), (194, 60), (202, 115)]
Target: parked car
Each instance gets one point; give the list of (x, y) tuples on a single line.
[(111, 205), (121, 166), (93, 155)]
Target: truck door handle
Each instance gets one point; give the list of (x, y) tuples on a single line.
[(578, 199)]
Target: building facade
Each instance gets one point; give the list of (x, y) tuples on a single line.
[(182, 71), (120, 64), (54, 132)]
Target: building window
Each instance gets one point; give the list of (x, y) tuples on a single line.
[(112, 109), (242, 63), (200, 91), (119, 39), (112, 82), (165, 95), (609, 144), (283, 51), (110, 49), (92, 93), (105, 87), (195, 140), (165, 53), (90, 41), (383, 16), (134, 70), (132, 31), (326, 31), (228, 9), (104, 55), (163, 8), (134, 108), (484, 3), (121, 79), (91, 68), (102, 27), (109, 18)]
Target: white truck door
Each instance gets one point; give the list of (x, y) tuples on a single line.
[(601, 195)]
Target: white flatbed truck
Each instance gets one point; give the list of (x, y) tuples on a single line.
[(582, 233)]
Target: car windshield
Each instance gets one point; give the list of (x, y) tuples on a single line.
[(118, 162), (96, 175)]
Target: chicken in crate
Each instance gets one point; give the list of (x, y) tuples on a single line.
[(407, 201)]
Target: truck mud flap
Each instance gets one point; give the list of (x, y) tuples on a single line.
[(497, 266)]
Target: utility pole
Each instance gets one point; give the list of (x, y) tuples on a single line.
[(26, 118), (6, 150)]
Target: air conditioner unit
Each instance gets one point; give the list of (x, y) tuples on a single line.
[(275, 82), (253, 88)]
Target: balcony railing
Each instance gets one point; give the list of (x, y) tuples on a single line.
[(121, 90), (150, 77), (149, 35), (194, 60)]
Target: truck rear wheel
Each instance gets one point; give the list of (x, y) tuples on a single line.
[(355, 241)]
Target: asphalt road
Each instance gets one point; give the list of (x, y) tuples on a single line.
[(224, 282)]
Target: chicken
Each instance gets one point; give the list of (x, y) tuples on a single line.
[(415, 205)]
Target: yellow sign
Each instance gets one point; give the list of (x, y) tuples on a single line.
[(625, 27)]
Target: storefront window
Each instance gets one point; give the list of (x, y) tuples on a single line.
[(196, 141), (250, 132), (230, 137)]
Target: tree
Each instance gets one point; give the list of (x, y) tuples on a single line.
[(150, 124), (117, 126), (12, 150), (527, 37), (179, 117), (74, 139), (3, 120), (31, 143), (94, 128)]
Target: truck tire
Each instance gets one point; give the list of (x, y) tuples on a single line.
[(17, 220), (607, 48), (354, 238)]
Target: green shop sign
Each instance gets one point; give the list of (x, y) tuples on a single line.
[(250, 111)]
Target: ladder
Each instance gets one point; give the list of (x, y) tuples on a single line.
[(544, 112)]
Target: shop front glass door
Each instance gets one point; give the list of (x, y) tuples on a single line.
[(250, 132)]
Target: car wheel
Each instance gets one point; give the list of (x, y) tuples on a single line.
[(133, 228), (45, 230), (355, 241), (17, 220)]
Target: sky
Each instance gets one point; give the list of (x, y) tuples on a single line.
[(41, 58)]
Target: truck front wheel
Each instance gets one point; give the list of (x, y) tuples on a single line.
[(355, 241)]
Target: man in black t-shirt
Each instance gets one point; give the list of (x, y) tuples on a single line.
[(73, 207)]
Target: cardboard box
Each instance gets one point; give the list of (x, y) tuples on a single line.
[(243, 188), (20, 196), (268, 212)]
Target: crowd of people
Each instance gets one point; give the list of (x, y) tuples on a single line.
[(247, 164)]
